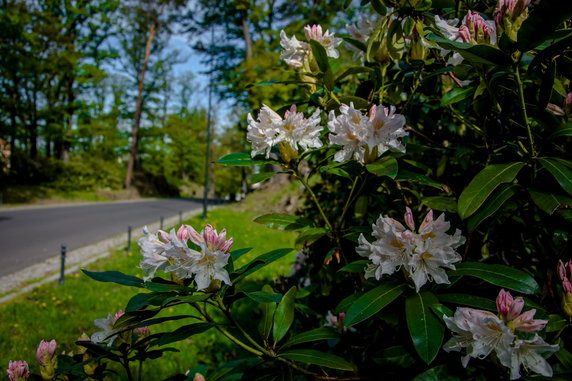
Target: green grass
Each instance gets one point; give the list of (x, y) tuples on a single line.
[(65, 312)]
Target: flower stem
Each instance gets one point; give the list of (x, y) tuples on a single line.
[(349, 201), (524, 113), (229, 316), (316, 201)]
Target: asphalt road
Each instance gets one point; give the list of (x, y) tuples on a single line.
[(28, 236)]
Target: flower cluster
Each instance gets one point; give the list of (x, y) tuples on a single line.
[(482, 332), (509, 16), (423, 255), (296, 52), (46, 355), (18, 371), (365, 138), (336, 321), (171, 253), (565, 274), (474, 29), (291, 133)]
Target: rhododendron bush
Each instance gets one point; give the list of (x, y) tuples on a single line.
[(433, 144)]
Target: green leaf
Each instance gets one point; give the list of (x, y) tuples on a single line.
[(563, 130), (264, 297), (235, 254), (356, 266), (259, 177), (310, 356), (313, 335), (379, 7), (115, 277), (441, 203), (425, 328), (257, 263), (268, 309), (483, 184), (148, 299), (310, 236), (556, 323), (542, 21), (358, 44), (561, 170), (283, 221), (441, 372), (182, 333), (284, 315), (162, 285), (549, 202), (387, 166), (499, 275), (456, 95), (482, 54), (564, 356), (243, 159), (491, 205), (372, 302), (468, 300), (395, 356), (320, 55), (406, 175)]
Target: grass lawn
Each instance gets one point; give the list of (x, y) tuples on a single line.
[(64, 313)]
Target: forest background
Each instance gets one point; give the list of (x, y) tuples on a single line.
[(93, 100)]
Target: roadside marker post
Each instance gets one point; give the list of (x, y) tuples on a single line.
[(129, 238), (161, 223), (62, 264), (180, 217)]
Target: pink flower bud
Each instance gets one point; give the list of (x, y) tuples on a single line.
[(199, 377), (409, 219), (568, 104), (291, 111), (526, 323), (476, 30), (508, 307), (18, 371), (313, 32), (561, 270), (183, 233), (118, 315), (46, 352), (164, 236), (142, 331), (465, 33), (427, 223), (567, 286)]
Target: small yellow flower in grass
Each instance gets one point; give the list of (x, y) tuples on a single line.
[(15, 325), (54, 298), (130, 254), (44, 305), (171, 309)]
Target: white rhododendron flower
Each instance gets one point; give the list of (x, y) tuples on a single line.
[(480, 333), (296, 52), (366, 138), (363, 29), (423, 254), (172, 253), (327, 40), (107, 334), (295, 130)]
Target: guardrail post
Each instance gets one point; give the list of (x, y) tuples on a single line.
[(129, 238), (63, 263), (161, 223)]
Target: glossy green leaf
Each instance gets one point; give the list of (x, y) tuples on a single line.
[(441, 203), (542, 22), (115, 277), (564, 356), (264, 297), (310, 356), (235, 254), (354, 70), (268, 309), (313, 335), (356, 266), (491, 205), (387, 166), (182, 333), (320, 55), (457, 95), (283, 221), (556, 323), (563, 130), (482, 54), (258, 262), (243, 159), (406, 175), (425, 328), (483, 184), (441, 372), (395, 356), (561, 170), (468, 300), (284, 315), (309, 236), (148, 299), (549, 202), (499, 275), (259, 177), (372, 302)]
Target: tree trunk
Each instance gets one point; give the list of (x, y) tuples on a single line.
[(246, 34), (139, 106)]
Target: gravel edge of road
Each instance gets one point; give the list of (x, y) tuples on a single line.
[(27, 279)]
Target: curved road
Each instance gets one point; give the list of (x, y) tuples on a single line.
[(31, 235)]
